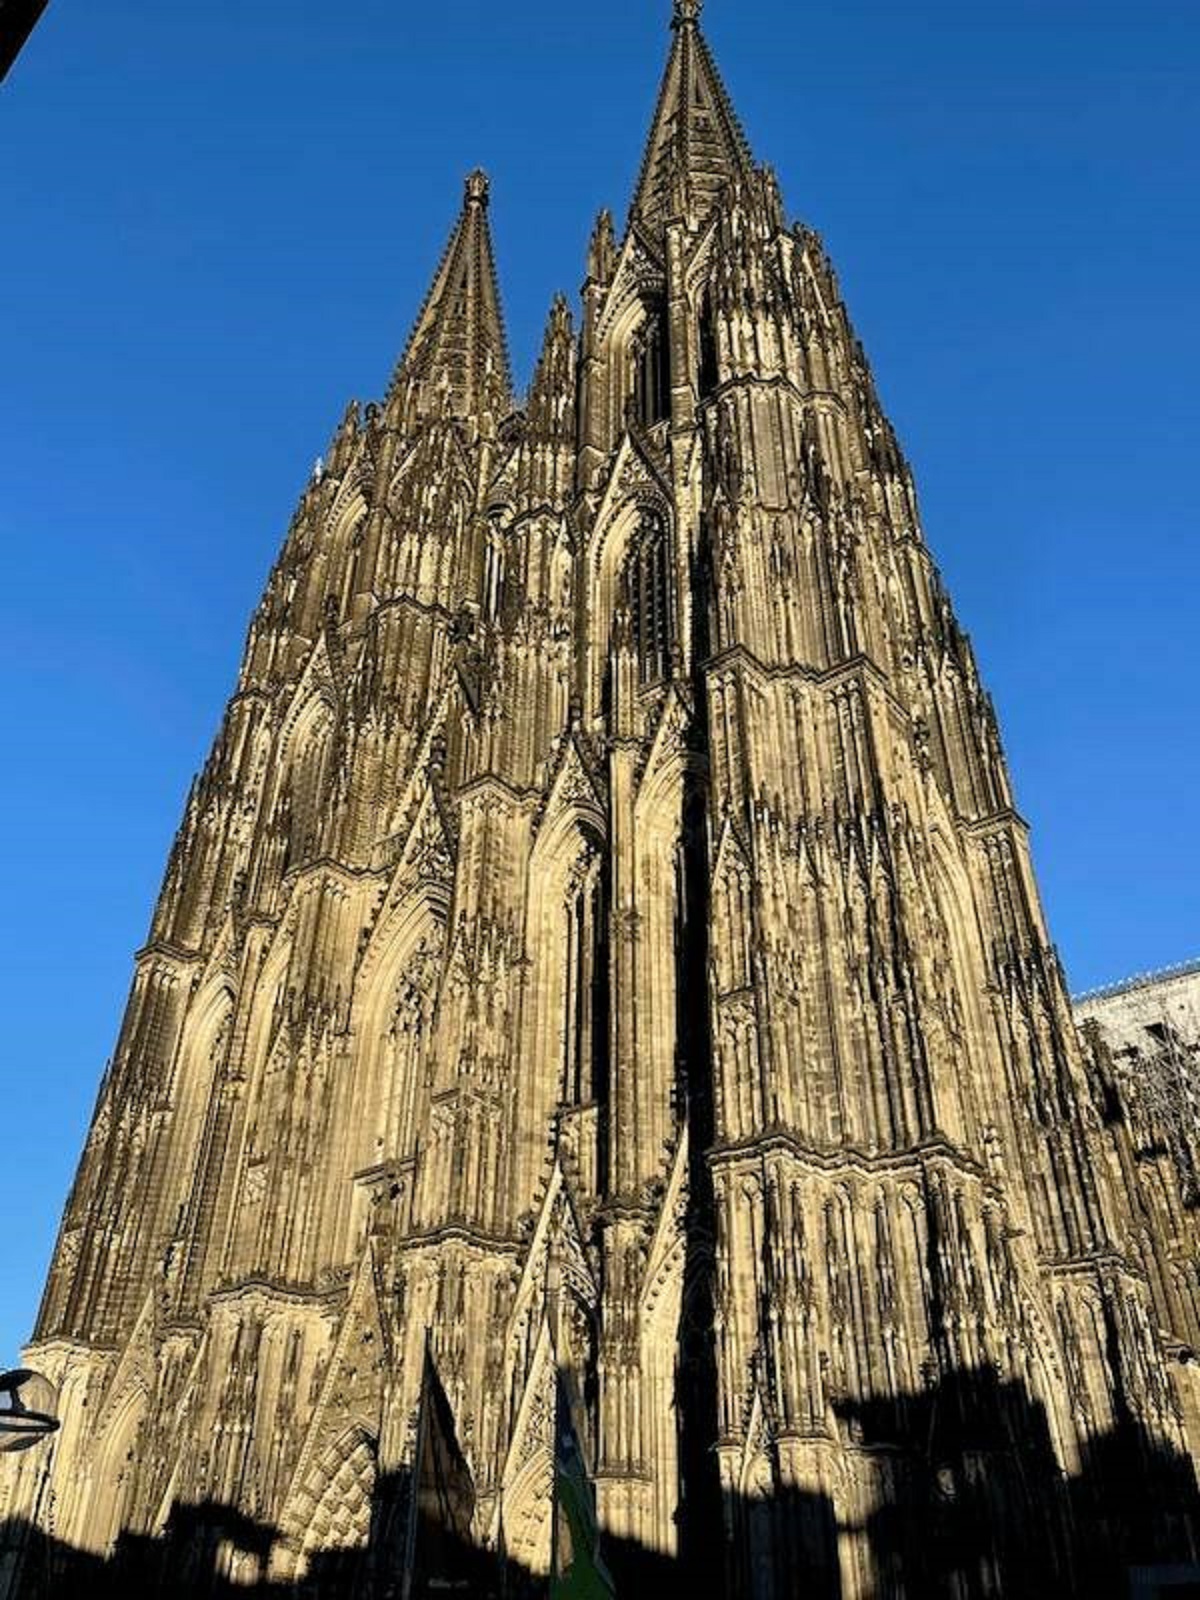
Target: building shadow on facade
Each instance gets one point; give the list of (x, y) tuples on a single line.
[(980, 1506), (970, 1504)]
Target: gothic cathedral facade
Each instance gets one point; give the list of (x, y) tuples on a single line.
[(602, 935)]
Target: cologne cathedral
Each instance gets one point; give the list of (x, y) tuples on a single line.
[(602, 942)]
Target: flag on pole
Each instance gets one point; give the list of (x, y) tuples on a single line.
[(441, 1558), (577, 1571)]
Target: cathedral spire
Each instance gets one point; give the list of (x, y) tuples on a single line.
[(608, 861), (457, 354), (696, 143)]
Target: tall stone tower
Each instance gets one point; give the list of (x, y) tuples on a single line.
[(602, 933)]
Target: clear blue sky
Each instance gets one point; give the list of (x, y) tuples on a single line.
[(218, 221)]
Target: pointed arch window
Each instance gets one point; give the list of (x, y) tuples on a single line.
[(651, 371), (709, 373), (309, 772), (648, 597), (584, 1012)]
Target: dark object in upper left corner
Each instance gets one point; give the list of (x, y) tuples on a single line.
[(18, 19)]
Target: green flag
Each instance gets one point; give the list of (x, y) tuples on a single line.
[(577, 1571)]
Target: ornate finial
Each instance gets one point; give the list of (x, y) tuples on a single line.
[(602, 251), (687, 11), (477, 188)]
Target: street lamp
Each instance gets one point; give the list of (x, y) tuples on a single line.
[(27, 1403)]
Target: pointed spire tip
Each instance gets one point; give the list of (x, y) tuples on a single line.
[(456, 356), (478, 187), (687, 11)]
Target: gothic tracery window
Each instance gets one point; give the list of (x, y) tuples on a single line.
[(306, 779), (583, 1003), (709, 373), (651, 372), (648, 598)]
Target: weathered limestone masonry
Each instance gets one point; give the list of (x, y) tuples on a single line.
[(604, 910)]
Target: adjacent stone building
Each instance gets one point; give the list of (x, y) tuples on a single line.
[(1142, 1016), (602, 934), (1143, 1041)]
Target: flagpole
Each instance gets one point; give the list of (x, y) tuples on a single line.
[(502, 1547), (554, 1475), (414, 1479), (552, 1292)]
